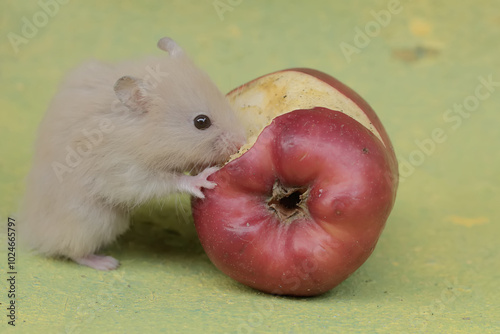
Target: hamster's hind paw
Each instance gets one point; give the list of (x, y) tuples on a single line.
[(195, 183), (98, 262)]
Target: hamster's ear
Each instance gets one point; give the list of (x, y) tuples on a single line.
[(168, 44), (132, 93)]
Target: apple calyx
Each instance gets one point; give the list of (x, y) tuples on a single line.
[(289, 203)]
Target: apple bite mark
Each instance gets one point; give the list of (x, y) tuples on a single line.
[(265, 98)]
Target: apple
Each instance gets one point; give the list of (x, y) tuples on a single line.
[(302, 205)]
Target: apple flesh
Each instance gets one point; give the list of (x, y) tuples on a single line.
[(303, 205)]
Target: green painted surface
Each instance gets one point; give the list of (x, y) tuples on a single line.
[(437, 265)]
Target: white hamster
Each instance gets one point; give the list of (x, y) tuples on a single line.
[(114, 137)]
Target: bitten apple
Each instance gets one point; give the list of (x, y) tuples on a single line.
[(303, 204)]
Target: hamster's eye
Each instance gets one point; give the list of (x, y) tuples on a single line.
[(202, 122)]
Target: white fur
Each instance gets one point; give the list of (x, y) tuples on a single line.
[(148, 141)]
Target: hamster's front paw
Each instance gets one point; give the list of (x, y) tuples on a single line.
[(194, 184), (98, 262)]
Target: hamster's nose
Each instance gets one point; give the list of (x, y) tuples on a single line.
[(240, 141), (235, 144)]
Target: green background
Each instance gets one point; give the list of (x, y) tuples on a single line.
[(437, 265)]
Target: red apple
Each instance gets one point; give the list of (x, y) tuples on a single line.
[(304, 204)]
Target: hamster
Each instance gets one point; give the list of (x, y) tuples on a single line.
[(115, 136)]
